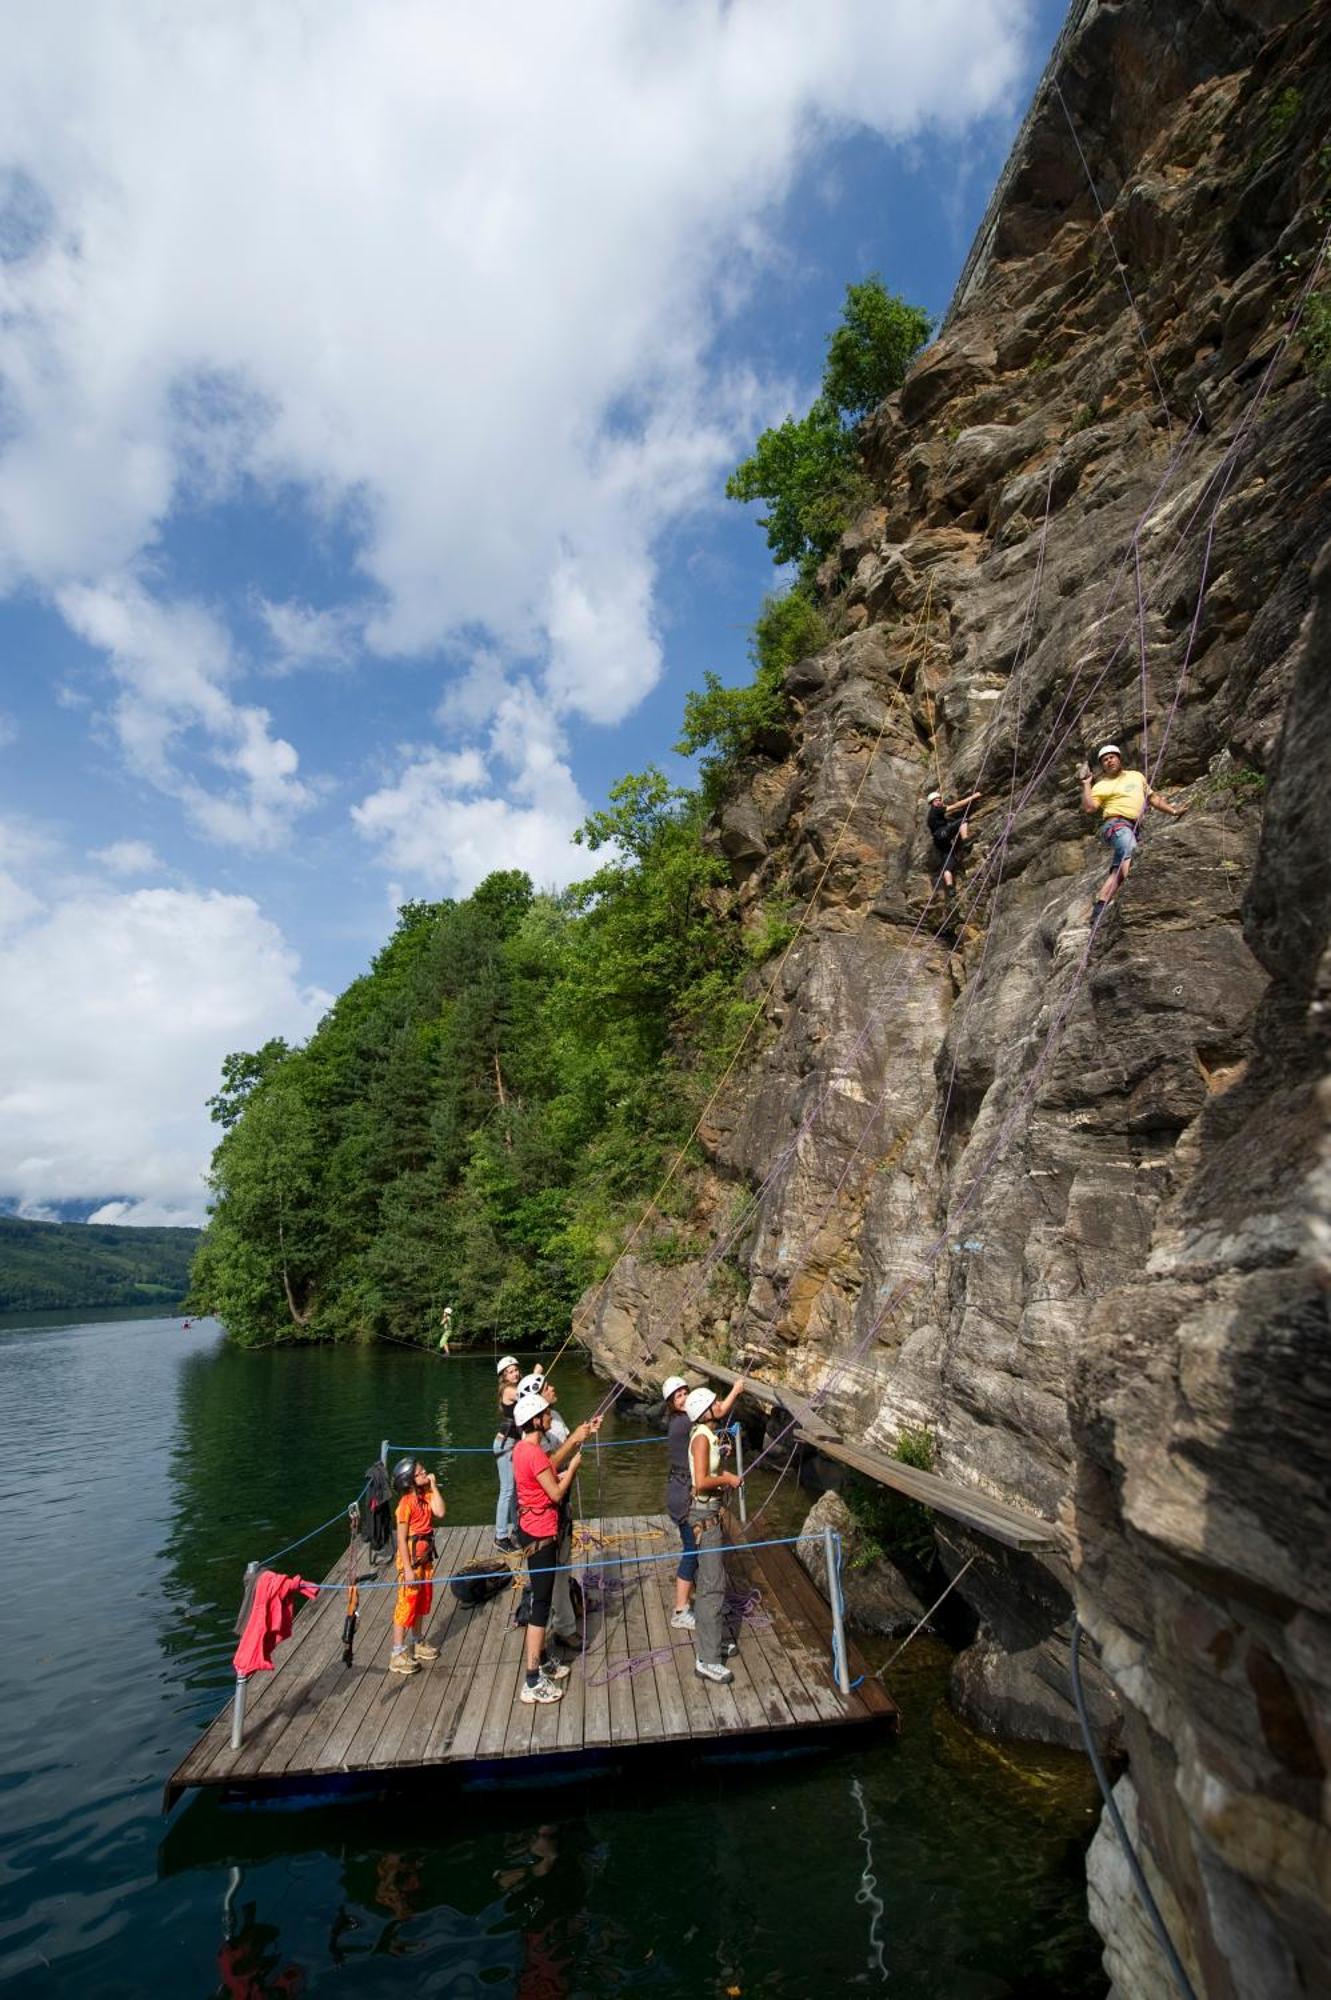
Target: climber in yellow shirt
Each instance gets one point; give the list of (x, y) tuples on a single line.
[(1121, 798)]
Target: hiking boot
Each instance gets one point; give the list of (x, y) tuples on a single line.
[(555, 1670), (544, 1690), (707, 1671), (402, 1663), (682, 1621), (424, 1652)]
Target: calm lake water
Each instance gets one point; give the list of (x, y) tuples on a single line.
[(142, 1466)]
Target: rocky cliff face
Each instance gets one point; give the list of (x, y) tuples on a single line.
[(1060, 1196)]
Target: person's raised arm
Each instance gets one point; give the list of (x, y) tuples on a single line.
[(1087, 798), (574, 1441), (438, 1505), (728, 1402), (960, 805)]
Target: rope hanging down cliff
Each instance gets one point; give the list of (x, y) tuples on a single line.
[(919, 640)]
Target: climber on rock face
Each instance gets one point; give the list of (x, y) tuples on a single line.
[(1121, 798), (950, 832)]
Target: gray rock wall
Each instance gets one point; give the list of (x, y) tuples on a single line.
[(1063, 1199)]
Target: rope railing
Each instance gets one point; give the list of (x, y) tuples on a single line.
[(462, 1450)]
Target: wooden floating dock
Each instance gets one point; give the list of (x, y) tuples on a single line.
[(313, 1725)]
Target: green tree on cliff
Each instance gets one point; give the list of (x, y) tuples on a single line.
[(807, 468)]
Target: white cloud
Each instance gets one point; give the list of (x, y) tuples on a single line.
[(451, 274), (305, 636), (146, 1215), (170, 662), (127, 857), (444, 826), (116, 1010), (9, 731)]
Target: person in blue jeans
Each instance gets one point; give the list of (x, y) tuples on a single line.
[(509, 1371), (679, 1489), (1121, 798)]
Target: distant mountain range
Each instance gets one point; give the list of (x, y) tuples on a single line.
[(48, 1266)]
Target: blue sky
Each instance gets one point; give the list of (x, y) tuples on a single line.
[(369, 379)]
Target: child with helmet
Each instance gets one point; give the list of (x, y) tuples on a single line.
[(420, 1505)]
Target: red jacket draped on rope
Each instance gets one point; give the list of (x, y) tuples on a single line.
[(269, 1621)]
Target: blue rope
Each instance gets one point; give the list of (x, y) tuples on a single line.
[(592, 1444), (573, 1569), (301, 1540)]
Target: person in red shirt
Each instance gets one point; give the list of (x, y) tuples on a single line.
[(421, 1505), (539, 1491)]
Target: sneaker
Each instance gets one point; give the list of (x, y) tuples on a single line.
[(555, 1670), (544, 1690), (506, 1545), (707, 1672), (424, 1652), (402, 1663), (728, 1650), (682, 1621)]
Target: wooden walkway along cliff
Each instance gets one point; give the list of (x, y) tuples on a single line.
[(313, 1725)]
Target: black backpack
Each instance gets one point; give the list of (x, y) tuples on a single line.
[(477, 1583)]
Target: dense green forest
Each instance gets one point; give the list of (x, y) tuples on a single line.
[(481, 1116), (49, 1266)]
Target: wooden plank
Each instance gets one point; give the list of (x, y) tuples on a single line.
[(595, 1693), (799, 1589), (501, 1646), (273, 1698), (800, 1642), (974, 1509), (304, 1740), (642, 1541), (988, 1516), (623, 1720), (792, 1704), (262, 1699), (674, 1674), (570, 1714), (482, 1624)]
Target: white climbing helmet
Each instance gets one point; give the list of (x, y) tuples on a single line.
[(532, 1385), (508, 1361), (697, 1403), (672, 1385), (929, 797), (1107, 750), (533, 1404)]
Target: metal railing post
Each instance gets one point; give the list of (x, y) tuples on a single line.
[(238, 1704), (739, 1467), (832, 1556)]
